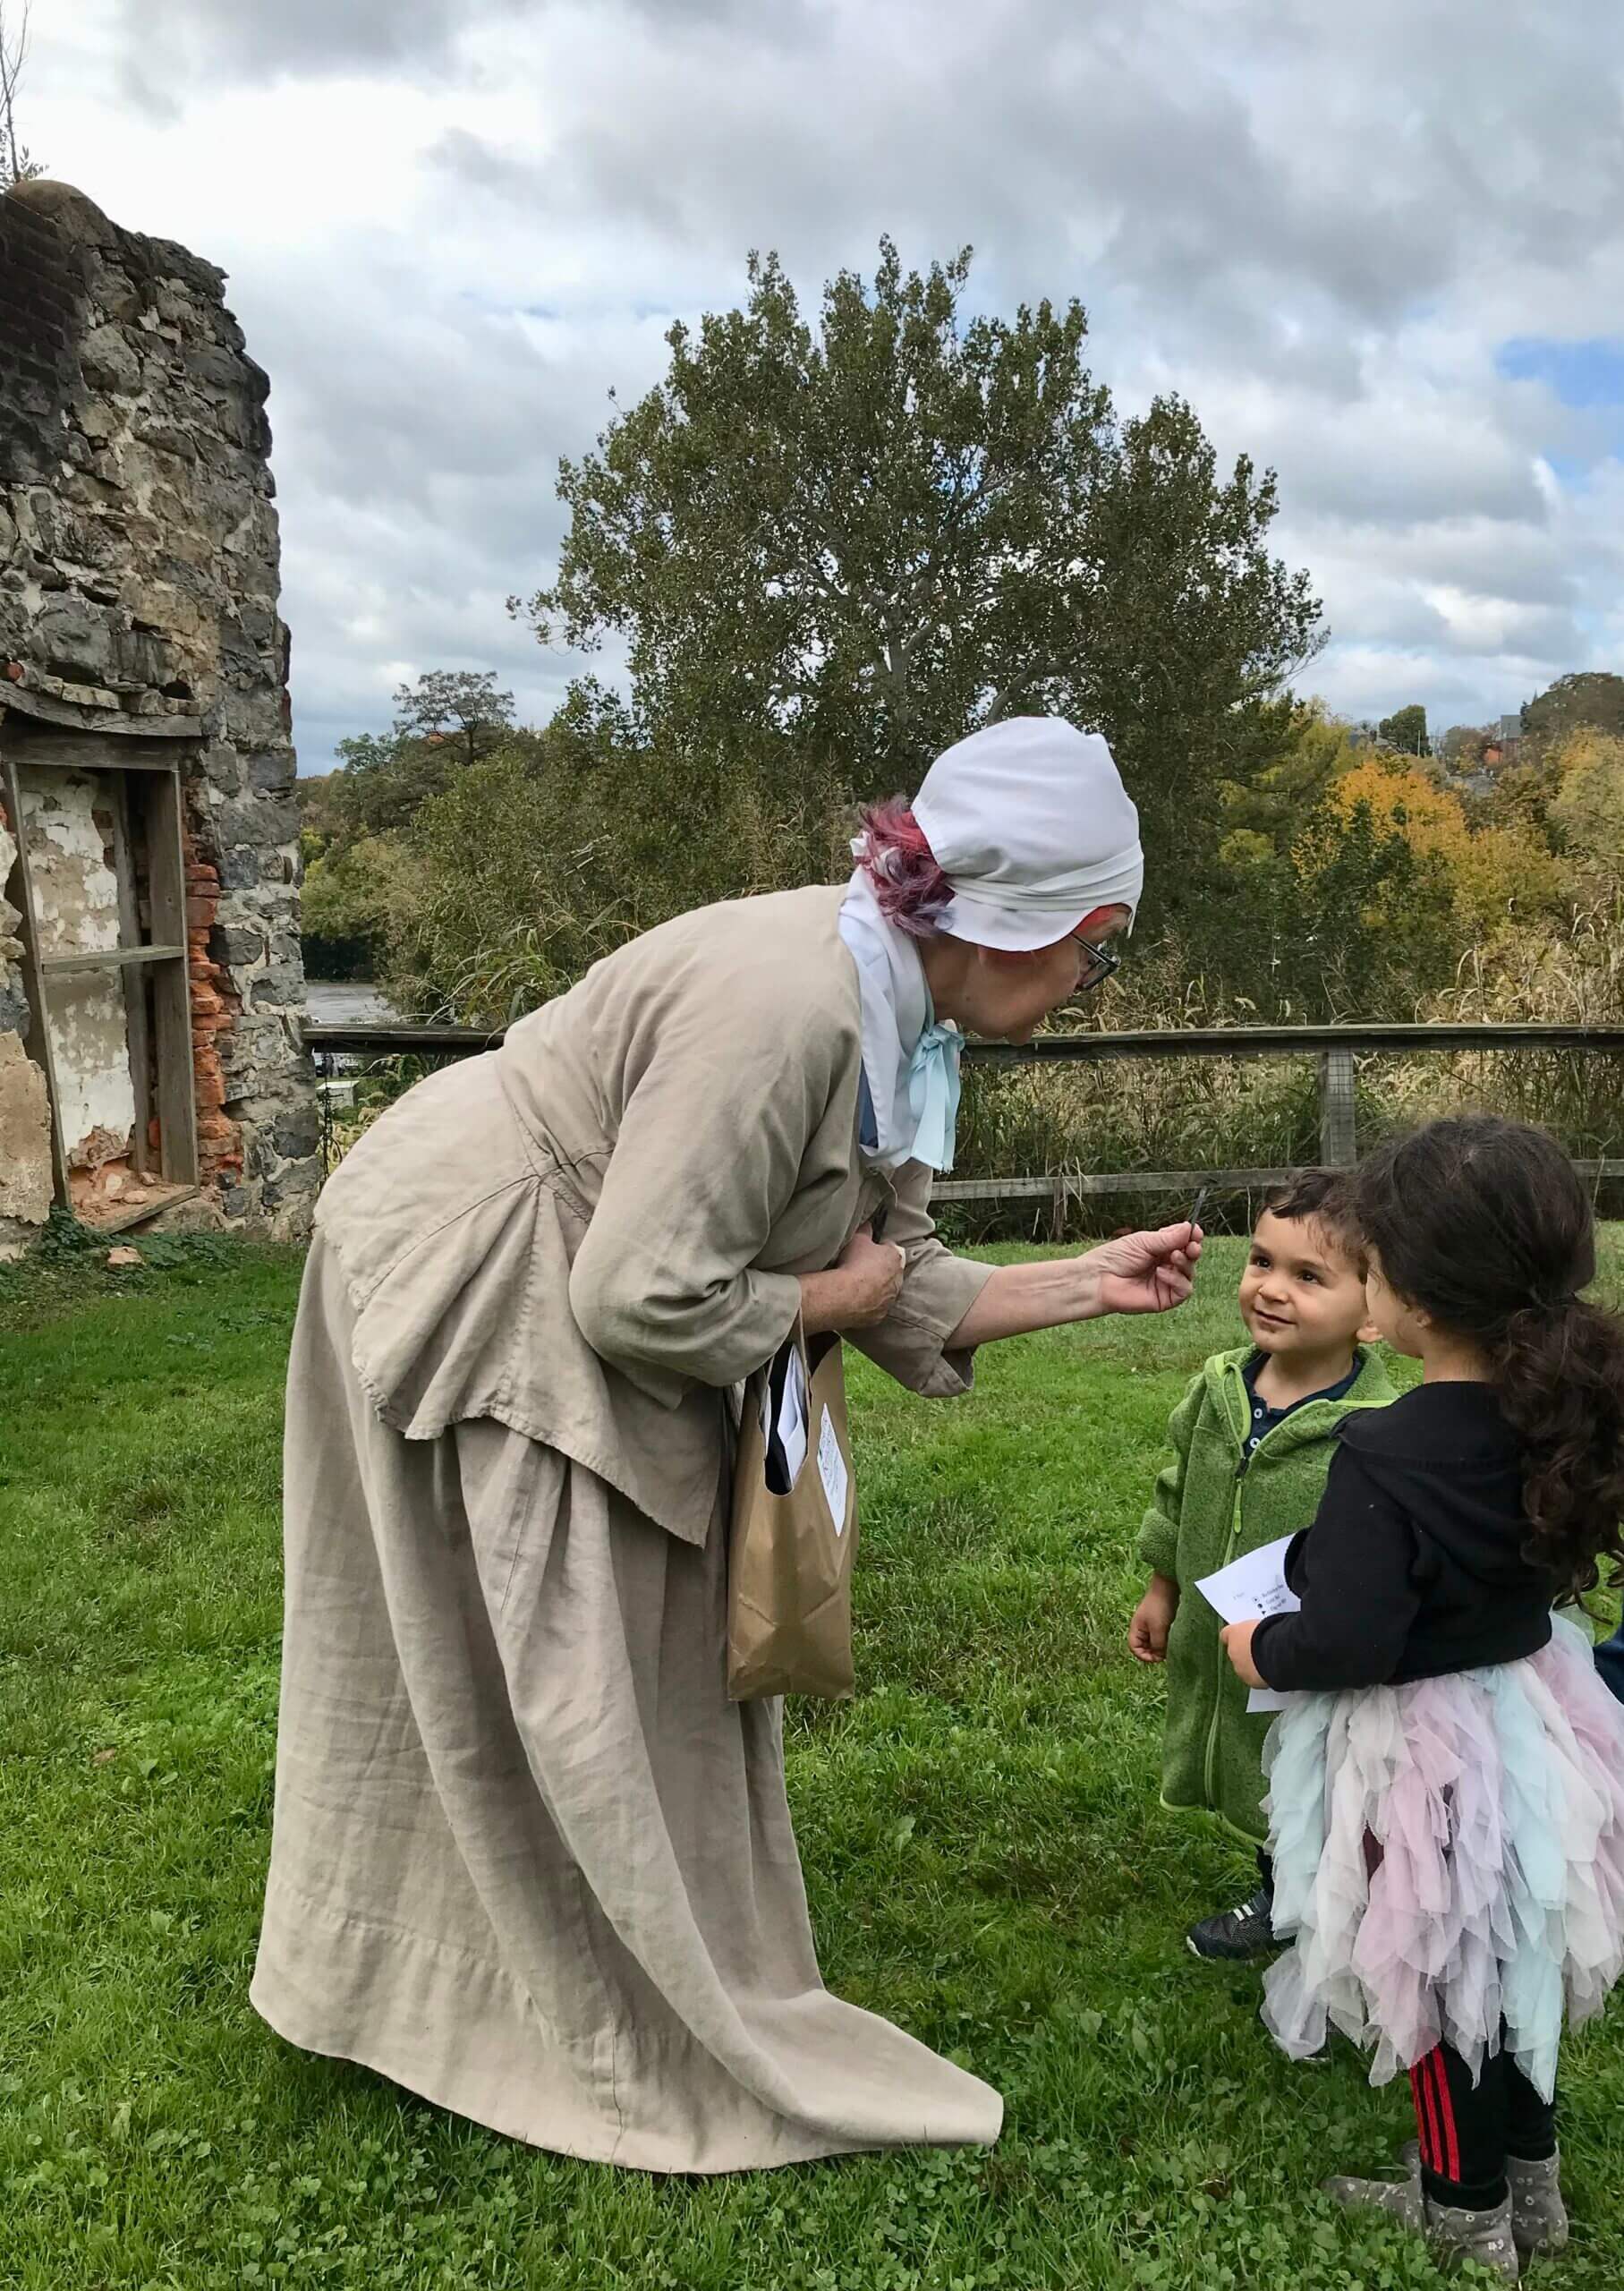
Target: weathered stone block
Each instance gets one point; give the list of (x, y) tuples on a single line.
[(246, 1056), (247, 819), (259, 1157), (74, 639), (109, 360), (293, 1189), (217, 368), (232, 945), (278, 988), (272, 772), (299, 1133), (166, 437), (252, 720)]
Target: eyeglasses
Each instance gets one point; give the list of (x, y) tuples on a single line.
[(1098, 963)]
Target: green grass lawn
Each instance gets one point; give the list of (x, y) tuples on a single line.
[(985, 1857)]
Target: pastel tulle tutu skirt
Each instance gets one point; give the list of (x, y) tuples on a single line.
[(1449, 1861)]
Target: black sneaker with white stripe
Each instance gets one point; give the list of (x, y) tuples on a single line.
[(1236, 1936)]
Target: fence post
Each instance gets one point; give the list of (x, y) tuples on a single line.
[(1337, 1147)]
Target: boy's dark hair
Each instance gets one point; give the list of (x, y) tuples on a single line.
[(1327, 1196), (1485, 1225)]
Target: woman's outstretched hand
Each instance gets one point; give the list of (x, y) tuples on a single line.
[(1139, 1272), (1145, 1272)]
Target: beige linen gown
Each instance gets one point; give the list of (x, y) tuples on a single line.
[(528, 1858)]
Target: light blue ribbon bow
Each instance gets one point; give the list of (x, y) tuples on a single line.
[(933, 1093)]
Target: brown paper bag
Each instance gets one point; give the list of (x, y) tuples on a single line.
[(789, 1559)]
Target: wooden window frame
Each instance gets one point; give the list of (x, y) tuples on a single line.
[(147, 801)]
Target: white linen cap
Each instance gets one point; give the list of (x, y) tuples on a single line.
[(1030, 822)]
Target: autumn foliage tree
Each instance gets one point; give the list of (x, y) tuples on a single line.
[(1586, 810), (1492, 874)]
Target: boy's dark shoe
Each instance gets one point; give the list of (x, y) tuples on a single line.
[(1237, 1936)]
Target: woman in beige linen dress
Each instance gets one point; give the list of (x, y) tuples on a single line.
[(529, 1860)]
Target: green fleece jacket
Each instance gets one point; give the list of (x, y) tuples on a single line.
[(1208, 1508)]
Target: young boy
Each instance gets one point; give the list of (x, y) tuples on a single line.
[(1251, 1446)]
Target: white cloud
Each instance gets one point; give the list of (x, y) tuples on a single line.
[(453, 225)]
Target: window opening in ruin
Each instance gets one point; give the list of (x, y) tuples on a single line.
[(100, 881)]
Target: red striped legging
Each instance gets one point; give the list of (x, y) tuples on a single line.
[(1468, 2131)]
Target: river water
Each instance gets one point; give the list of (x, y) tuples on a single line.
[(350, 1002)]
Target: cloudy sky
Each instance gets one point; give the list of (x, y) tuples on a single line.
[(1379, 244)]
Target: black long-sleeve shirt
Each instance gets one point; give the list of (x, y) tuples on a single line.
[(1415, 1564)]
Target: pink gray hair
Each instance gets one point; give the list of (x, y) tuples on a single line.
[(910, 888)]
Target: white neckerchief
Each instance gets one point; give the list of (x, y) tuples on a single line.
[(909, 1061)]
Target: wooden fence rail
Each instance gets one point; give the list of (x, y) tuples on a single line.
[(1335, 1048), (1181, 1042)]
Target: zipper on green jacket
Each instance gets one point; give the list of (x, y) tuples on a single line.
[(1209, 1769), (1208, 1778)]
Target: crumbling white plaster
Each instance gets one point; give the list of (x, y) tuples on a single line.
[(76, 911)]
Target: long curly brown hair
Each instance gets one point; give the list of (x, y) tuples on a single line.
[(1485, 1225)]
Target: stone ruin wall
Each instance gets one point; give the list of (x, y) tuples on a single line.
[(139, 587)]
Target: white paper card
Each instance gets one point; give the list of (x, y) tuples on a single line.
[(793, 1411), (832, 1472), (1252, 1586), (1249, 1588)]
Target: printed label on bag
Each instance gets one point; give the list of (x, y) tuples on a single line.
[(832, 1472)]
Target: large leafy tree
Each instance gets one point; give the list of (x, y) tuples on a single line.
[(829, 551), (1406, 729), (449, 718), (358, 881), (1592, 697), (1527, 785), (461, 704)]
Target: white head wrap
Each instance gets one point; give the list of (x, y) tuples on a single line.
[(1030, 822)]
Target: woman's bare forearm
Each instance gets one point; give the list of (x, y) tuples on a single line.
[(1021, 1298), (825, 1302)]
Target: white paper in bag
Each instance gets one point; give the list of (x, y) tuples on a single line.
[(832, 1472)]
